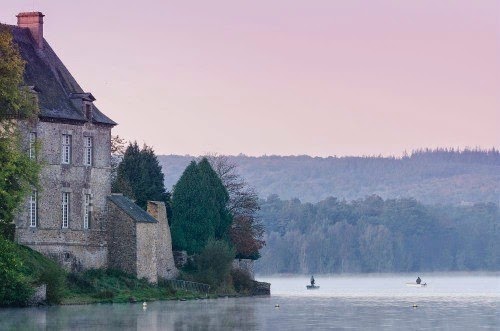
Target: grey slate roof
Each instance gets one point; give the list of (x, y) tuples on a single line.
[(131, 209), (54, 83)]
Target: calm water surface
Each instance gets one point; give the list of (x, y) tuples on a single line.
[(380, 302)]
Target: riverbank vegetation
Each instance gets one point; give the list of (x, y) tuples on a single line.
[(22, 270), (101, 285)]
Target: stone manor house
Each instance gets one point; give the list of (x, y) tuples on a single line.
[(73, 217)]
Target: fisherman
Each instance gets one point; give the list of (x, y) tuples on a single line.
[(312, 281), (419, 280)]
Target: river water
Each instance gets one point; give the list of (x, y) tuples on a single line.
[(378, 302)]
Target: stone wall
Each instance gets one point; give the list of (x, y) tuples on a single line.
[(76, 179), (76, 257), (122, 234), (261, 288), (39, 296), (147, 262), (166, 266)]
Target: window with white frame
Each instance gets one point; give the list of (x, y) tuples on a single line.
[(66, 149), (32, 145), (87, 157), (33, 208), (65, 209), (86, 211)]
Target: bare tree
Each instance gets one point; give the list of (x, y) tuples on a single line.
[(246, 231), (117, 150)]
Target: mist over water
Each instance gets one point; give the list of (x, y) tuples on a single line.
[(393, 286), (354, 302)]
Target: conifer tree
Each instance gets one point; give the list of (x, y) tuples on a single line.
[(217, 198), (199, 208), (139, 176)]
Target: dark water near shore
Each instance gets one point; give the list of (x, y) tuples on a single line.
[(380, 302)]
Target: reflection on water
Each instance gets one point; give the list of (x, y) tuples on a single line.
[(374, 303), (166, 315)]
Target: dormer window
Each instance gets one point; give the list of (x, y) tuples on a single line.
[(88, 111), (83, 101)]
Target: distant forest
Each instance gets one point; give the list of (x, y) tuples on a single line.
[(445, 176), (432, 210), (376, 235)]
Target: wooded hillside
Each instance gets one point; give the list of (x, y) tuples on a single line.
[(430, 176)]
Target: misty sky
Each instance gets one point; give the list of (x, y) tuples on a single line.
[(318, 77)]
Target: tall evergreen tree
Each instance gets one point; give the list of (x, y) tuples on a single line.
[(199, 208), (190, 227), (139, 176), (216, 196)]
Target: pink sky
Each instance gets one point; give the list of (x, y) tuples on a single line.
[(317, 77)]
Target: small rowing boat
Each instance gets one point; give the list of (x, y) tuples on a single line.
[(312, 287), (416, 285)]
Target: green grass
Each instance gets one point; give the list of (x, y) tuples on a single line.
[(100, 285), (97, 285), (22, 270), (43, 270)]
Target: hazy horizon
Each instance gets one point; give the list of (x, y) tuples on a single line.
[(315, 78), (400, 155)]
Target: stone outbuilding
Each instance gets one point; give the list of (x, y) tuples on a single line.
[(72, 216), (141, 240)]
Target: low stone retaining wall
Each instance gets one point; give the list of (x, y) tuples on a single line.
[(261, 288), (39, 296)]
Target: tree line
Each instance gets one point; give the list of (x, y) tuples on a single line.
[(377, 235), (443, 175)]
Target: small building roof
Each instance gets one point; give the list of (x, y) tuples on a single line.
[(55, 85), (130, 208)]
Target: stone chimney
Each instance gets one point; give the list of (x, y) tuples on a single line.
[(152, 209), (34, 22)]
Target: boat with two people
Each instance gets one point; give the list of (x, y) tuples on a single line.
[(418, 283), (313, 284)]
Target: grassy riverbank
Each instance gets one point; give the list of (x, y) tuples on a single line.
[(94, 286), (23, 269)]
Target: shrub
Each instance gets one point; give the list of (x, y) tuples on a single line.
[(104, 294), (242, 281), (213, 264), (56, 283), (79, 283), (43, 270), (7, 230), (15, 287)]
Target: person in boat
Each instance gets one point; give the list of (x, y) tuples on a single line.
[(419, 280), (312, 281)]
